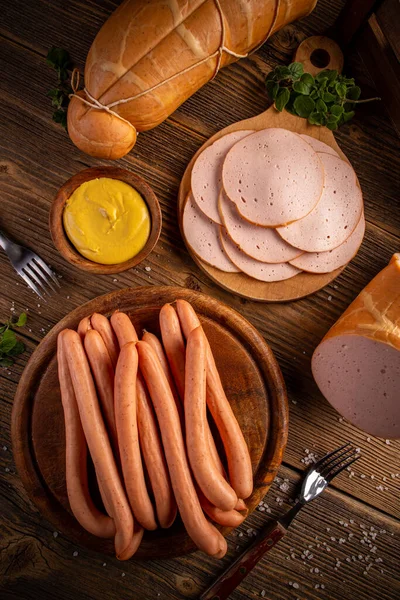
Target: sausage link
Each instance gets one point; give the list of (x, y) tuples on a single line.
[(83, 327), (76, 476), (155, 343), (98, 441), (149, 435), (103, 373), (175, 350), (213, 485), (205, 536), (226, 518), (174, 346), (239, 462), (101, 324), (128, 436)]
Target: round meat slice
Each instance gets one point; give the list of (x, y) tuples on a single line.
[(336, 215), (360, 377), (258, 270), (207, 173), (273, 176), (318, 145), (325, 262), (261, 243), (202, 236)]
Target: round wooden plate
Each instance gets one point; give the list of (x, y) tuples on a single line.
[(250, 374), (241, 284)]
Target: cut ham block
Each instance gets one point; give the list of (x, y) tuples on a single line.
[(318, 145), (261, 243), (336, 215), (357, 364), (258, 270), (207, 173), (325, 262), (273, 176), (202, 236)]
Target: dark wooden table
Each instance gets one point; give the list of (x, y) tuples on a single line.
[(346, 545)]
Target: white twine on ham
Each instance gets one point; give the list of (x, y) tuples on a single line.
[(96, 104)]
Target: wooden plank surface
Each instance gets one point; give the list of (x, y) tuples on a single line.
[(36, 157)]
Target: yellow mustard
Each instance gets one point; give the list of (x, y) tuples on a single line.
[(107, 221)]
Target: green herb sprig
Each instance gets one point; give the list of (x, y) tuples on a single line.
[(9, 345), (327, 99), (60, 60)]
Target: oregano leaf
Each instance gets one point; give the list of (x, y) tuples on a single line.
[(304, 106), (301, 88), (282, 99), (296, 70)]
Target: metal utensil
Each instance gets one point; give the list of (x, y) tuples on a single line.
[(30, 267), (316, 480)]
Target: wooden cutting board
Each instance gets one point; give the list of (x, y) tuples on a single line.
[(302, 284), (250, 374)]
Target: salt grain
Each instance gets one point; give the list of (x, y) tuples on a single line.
[(55, 534), (147, 269), (75, 553), (5, 448)]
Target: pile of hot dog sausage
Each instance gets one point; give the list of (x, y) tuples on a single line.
[(139, 407)]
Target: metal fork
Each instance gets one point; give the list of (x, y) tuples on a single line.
[(316, 480), (30, 267)]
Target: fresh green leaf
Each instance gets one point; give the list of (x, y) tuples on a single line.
[(321, 106), (282, 72), (328, 97), (7, 342), (332, 122), (60, 116), (347, 116), (3, 328), (337, 110), (6, 362), (296, 70), (17, 349), (308, 79), (22, 319), (282, 99), (272, 88), (304, 106), (353, 93), (314, 94), (301, 88), (58, 58), (341, 90), (270, 76)]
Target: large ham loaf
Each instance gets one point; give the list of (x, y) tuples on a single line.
[(171, 48), (357, 364)]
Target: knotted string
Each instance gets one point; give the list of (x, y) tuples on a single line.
[(96, 104)]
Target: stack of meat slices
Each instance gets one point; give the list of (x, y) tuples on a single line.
[(273, 203)]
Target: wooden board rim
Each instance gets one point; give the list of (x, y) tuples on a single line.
[(21, 413)]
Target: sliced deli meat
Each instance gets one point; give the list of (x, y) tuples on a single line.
[(335, 216), (325, 262), (357, 364), (207, 173), (318, 145), (258, 270), (202, 236), (273, 176), (260, 243)]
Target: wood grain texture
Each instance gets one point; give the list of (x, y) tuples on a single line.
[(61, 240), (249, 372), (241, 284), (36, 158)]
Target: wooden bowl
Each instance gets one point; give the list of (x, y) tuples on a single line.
[(61, 240), (249, 372)]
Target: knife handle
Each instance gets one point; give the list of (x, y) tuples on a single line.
[(228, 581)]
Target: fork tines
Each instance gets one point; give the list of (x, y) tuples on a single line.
[(37, 275), (335, 462)]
